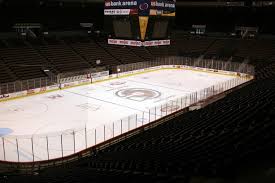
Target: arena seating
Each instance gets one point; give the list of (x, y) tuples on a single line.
[(208, 141), (142, 53), (121, 53), (21, 59), (5, 73), (24, 62), (194, 45), (161, 51), (221, 48), (91, 51), (61, 56), (255, 49), (86, 174), (266, 68)]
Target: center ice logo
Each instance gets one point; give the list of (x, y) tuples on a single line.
[(138, 94)]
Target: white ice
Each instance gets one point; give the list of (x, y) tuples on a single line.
[(91, 107)]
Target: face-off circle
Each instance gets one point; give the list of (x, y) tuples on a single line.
[(24, 110), (138, 94)]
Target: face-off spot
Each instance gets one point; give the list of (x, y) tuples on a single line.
[(89, 106), (117, 83), (26, 109), (55, 96)]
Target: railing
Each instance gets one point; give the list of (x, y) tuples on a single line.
[(194, 62), (18, 86), (24, 85), (57, 145)]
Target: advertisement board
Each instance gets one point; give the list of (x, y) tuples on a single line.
[(140, 7), (139, 43)]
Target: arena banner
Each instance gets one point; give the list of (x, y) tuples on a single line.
[(75, 78), (143, 22), (84, 81), (163, 8), (18, 94), (112, 76), (30, 91), (100, 74), (4, 96), (157, 43), (52, 87), (100, 78), (117, 12), (139, 43), (140, 7), (43, 89), (121, 7), (121, 4), (70, 84), (124, 42)]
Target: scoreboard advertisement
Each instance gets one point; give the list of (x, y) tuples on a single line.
[(139, 22)]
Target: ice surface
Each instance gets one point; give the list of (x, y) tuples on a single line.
[(41, 119)]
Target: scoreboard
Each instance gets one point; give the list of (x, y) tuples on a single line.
[(139, 22)]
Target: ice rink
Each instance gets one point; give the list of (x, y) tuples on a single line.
[(37, 119)]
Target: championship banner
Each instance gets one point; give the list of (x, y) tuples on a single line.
[(143, 22)]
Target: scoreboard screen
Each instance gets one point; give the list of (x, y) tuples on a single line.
[(139, 22), (160, 29), (122, 28)]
